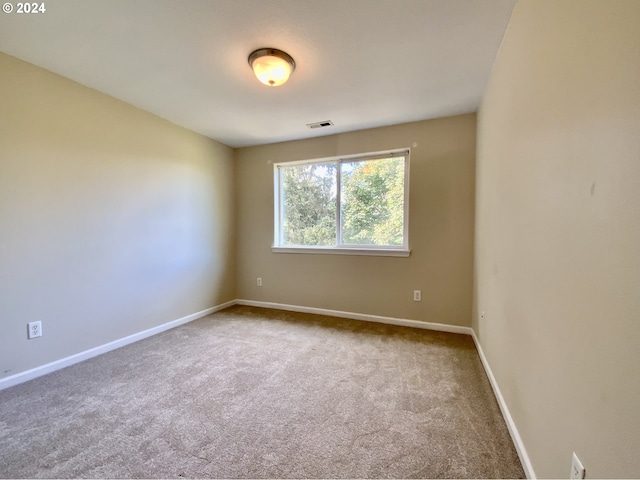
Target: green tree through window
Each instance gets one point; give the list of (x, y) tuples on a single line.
[(309, 197), (369, 191), (372, 202)]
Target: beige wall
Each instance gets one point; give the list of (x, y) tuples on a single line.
[(440, 228), (558, 232), (112, 220)]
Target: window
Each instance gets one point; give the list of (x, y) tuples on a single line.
[(356, 204)]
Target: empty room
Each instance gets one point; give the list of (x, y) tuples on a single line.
[(332, 239)]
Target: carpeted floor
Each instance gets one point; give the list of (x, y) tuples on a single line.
[(257, 393)]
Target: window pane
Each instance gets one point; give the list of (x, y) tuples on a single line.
[(309, 204), (372, 202)]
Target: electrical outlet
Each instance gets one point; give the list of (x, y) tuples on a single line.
[(259, 281), (34, 329), (482, 315), (577, 469), (417, 295)]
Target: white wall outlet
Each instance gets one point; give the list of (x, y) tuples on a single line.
[(482, 315), (259, 281), (34, 329), (577, 469), (417, 295)]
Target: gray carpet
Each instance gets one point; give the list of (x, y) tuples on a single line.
[(257, 393)]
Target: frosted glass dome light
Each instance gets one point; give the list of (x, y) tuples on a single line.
[(271, 66)]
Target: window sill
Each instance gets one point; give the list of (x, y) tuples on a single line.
[(374, 252)]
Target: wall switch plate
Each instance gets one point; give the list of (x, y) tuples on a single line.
[(417, 295), (34, 330), (259, 281), (577, 469)]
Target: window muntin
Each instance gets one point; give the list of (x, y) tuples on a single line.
[(356, 202)]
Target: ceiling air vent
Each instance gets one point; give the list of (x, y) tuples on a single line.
[(326, 123)]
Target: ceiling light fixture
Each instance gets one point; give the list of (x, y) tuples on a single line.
[(271, 66)]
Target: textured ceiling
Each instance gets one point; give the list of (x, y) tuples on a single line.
[(359, 63)]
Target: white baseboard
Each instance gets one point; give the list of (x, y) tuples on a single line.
[(107, 347), (441, 327), (93, 352), (513, 430)]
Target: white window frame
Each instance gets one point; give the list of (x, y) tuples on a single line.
[(340, 248)]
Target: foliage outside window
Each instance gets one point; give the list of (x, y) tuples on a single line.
[(349, 204)]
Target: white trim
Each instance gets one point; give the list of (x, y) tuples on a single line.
[(338, 206), (93, 352), (278, 208), (374, 252), (341, 248), (107, 347), (394, 152), (441, 327), (407, 183), (513, 430)]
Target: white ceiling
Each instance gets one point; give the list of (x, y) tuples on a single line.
[(359, 63)]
